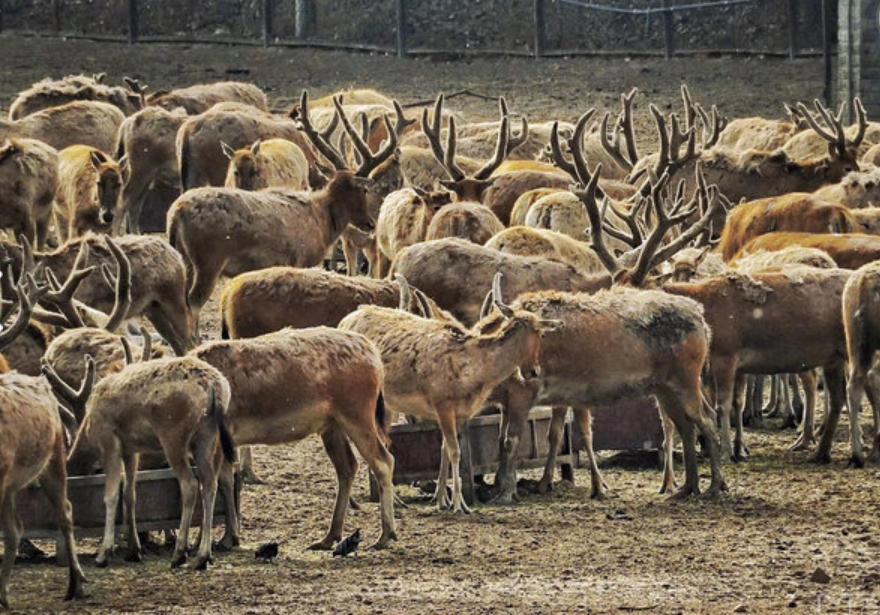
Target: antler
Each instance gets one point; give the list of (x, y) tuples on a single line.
[(713, 124), (75, 399), (120, 283), (623, 126), (586, 192), (61, 295), (833, 122), (320, 139), (27, 294), (432, 132), (369, 161), (405, 303)]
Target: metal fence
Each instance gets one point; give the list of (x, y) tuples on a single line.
[(458, 27)]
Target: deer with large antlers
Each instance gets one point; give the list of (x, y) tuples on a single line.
[(274, 226), (32, 443)]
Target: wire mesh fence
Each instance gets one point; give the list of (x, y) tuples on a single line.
[(408, 27)]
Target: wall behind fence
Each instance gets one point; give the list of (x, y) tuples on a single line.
[(441, 26)]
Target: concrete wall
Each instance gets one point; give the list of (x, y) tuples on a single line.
[(858, 71)]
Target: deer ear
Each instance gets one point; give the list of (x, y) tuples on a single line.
[(255, 148), (420, 192), (227, 150)]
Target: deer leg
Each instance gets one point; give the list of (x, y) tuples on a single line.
[(797, 402), (351, 252), (133, 551), (343, 459), (208, 461), (11, 536), (584, 418), (248, 475), (112, 462), (520, 400), (807, 436), (231, 537), (668, 483), (855, 389), (725, 377), (205, 279), (557, 429), (178, 460), (835, 387), (441, 494), (54, 484), (872, 389), (449, 428), (368, 443), (740, 452)]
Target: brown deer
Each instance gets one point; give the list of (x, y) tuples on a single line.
[(849, 250), (525, 241), (338, 378), (438, 371), (88, 194), (199, 98), (177, 406), (77, 123), (273, 163), (50, 93), (32, 447), (150, 175), (28, 180)]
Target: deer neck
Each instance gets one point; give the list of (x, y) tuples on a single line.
[(508, 349)]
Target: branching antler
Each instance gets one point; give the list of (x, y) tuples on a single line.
[(623, 127), (60, 296), (320, 139), (75, 399), (369, 161), (829, 125)]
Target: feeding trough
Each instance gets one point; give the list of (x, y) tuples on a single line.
[(416, 447), (157, 507)]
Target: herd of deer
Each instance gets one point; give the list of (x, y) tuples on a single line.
[(629, 275)]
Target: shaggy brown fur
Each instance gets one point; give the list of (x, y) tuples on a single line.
[(455, 273), (54, 93), (259, 229), (28, 180), (404, 219), (850, 251), (146, 141), (661, 345), (337, 377), (796, 212), (758, 323), (525, 241), (199, 98), (856, 190), (273, 163), (77, 123), (439, 371), (470, 221), (757, 133), (176, 406)]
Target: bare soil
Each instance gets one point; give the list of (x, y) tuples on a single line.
[(751, 550)]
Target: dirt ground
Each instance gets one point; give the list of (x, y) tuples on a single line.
[(752, 550)]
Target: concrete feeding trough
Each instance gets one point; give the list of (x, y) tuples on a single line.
[(157, 507)]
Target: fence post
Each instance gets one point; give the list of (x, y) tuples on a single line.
[(56, 21), (303, 10), (826, 51), (668, 28), (540, 31), (401, 28), (267, 22), (132, 22), (793, 33), (1, 15)]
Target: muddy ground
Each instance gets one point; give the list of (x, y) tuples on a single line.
[(752, 550)]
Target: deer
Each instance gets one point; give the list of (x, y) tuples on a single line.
[(857, 190), (754, 175), (761, 134), (526, 241), (197, 99), (403, 220), (271, 227), (28, 181), (50, 93), (158, 289), (174, 405), (82, 122), (849, 250), (150, 175), (33, 433), (271, 163), (469, 221), (88, 193), (338, 377), (793, 212), (438, 371)]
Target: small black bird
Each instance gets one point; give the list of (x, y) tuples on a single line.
[(267, 552), (349, 545)]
